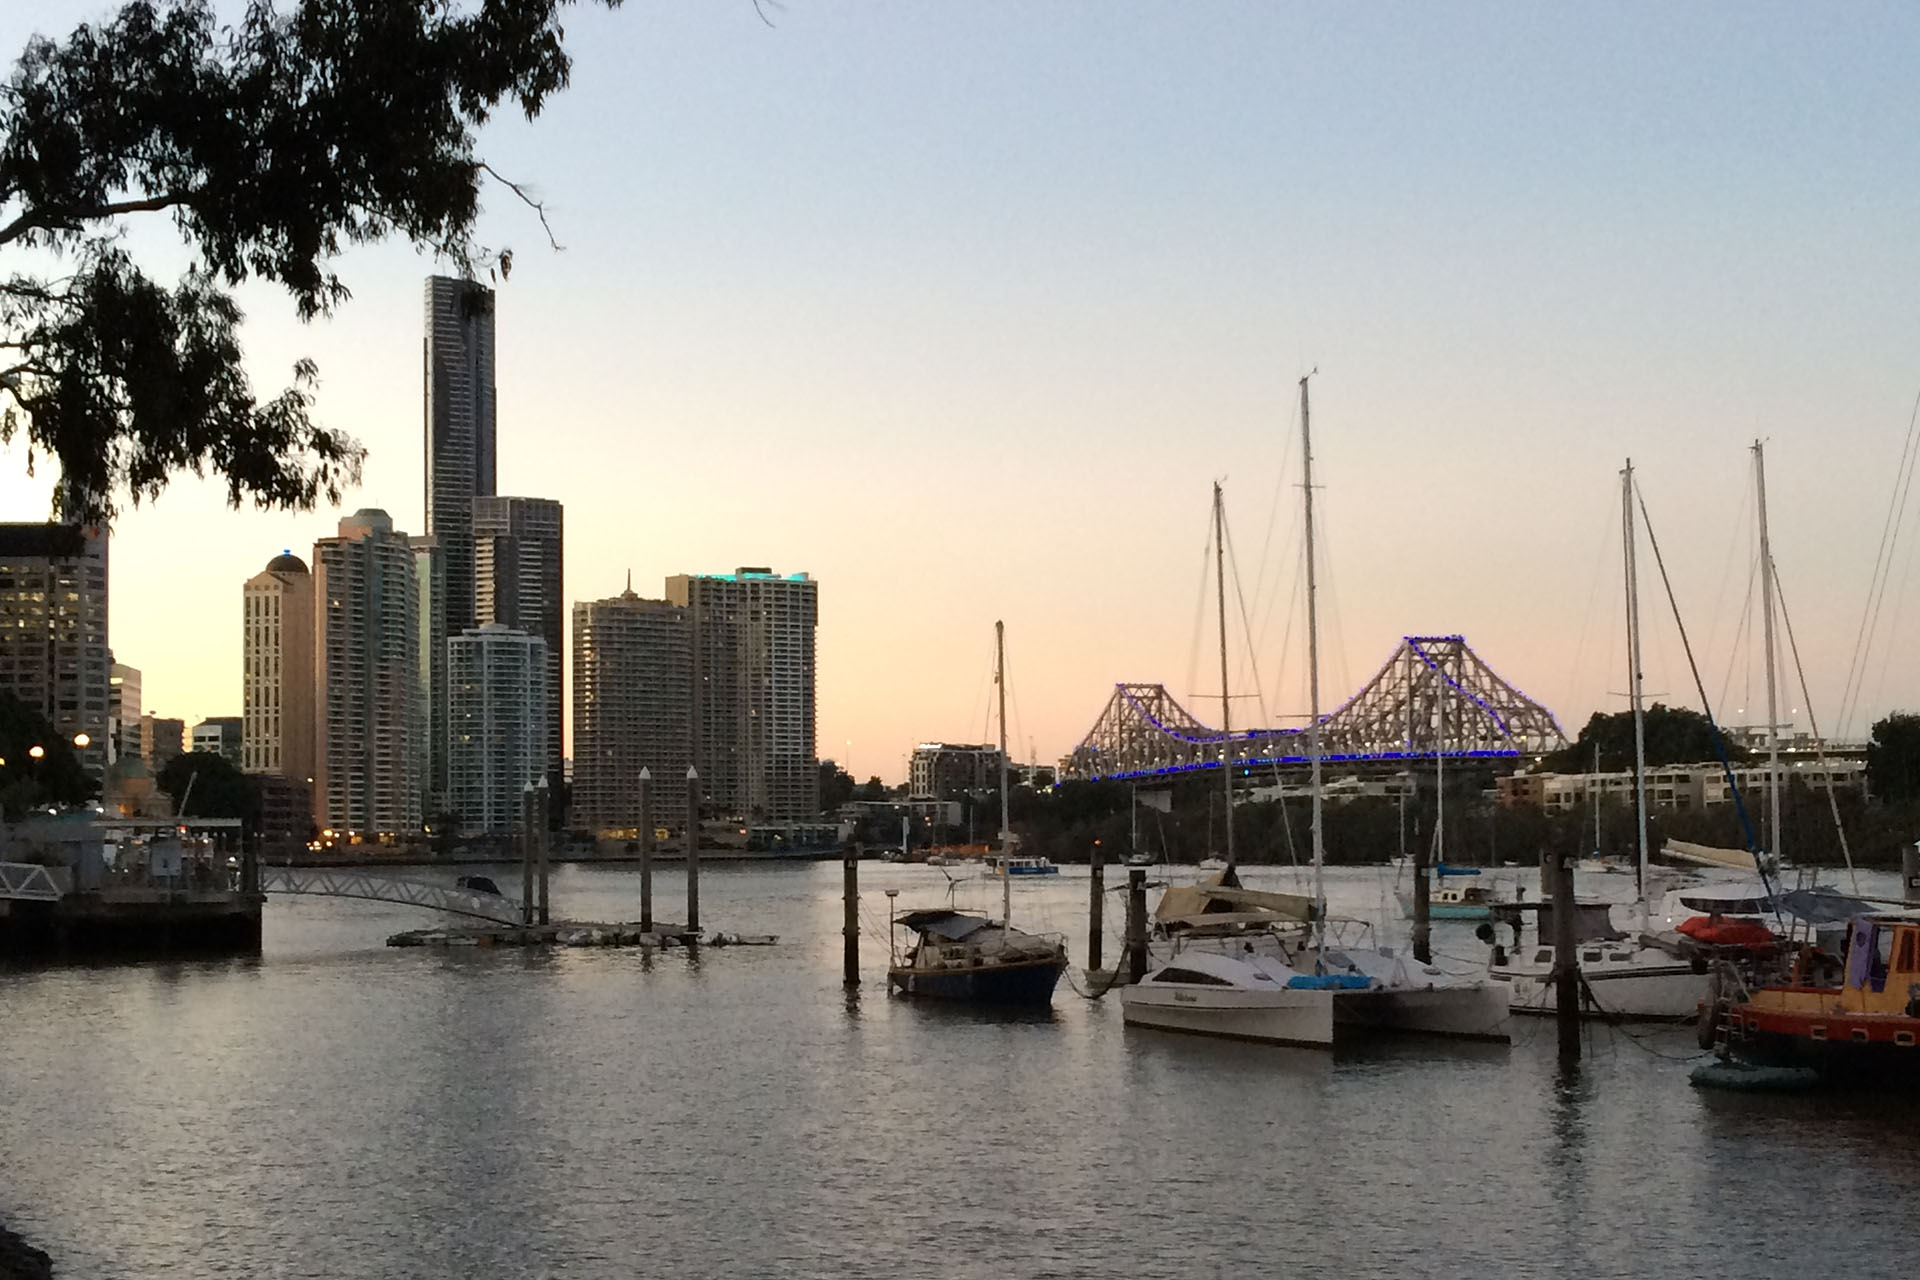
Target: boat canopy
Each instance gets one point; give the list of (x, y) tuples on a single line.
[(1591, 920), (1199, 904), (1706, 855), (954, 926)]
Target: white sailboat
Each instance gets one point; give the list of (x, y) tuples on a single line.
[(1267, 979), (1629, 972)]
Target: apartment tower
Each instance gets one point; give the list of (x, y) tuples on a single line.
[(53, 631), (457, 369), (367, 698), (753, 691), (276, 662), (632, 709), (517, 566), (497, 719)]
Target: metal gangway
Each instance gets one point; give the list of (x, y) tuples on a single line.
[(343, 882), (27, 882)]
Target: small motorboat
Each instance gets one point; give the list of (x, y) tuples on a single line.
[(958, 955)]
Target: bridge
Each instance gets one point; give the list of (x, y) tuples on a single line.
[(339, 882), (1434, 698)]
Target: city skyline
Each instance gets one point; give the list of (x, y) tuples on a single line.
[(968, 334)]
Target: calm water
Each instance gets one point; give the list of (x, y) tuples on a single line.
[(342, 1109)]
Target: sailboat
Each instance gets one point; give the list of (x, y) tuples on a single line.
[(1632, 973), (1266, 978), (961, 955)]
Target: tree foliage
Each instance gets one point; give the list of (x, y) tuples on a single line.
[(56, 779), (1893, 758), (1675, 735), (274, 144), (219, 790)]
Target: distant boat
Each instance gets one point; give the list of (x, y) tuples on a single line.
[(1002, 865), (958, 955), (1462, 901), (1213, 864)]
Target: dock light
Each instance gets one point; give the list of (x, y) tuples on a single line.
[(36, 751), (81, 741)]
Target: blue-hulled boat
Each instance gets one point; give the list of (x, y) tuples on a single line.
[(1470, 900), (957, 955), (1000, 864)]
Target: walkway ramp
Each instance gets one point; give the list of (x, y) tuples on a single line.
[(27, 882), (341, 882)]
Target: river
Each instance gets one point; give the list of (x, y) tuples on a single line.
[(337, 1108)]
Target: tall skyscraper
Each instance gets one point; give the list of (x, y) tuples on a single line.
[(753, 690), (276, 662), (497, 721), (53, 630), (457, 370), (123, 710), (367, 692), (632, 709), (518, 564), (430, 591)]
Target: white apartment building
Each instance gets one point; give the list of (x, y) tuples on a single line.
[(497, 725), (277, 676)]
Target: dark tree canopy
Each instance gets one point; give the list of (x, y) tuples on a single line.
[(56, 778), (1675, 735), (219, 789), (1893, 758), (274, 144)]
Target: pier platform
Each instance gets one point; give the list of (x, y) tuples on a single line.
[(575, 933)]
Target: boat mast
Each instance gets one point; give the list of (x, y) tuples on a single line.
[(1313, 689), (1634, 699), (1006, 828), (1766, 604), (1226, 706)]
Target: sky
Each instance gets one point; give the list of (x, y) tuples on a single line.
[(962, 309)]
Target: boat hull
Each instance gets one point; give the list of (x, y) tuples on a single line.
[(1882, 1050), (1448, 910), (1666, 993), (1029, 983), (1283, 1016), (1477, 1012)]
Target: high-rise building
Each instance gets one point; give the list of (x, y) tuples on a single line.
[(457, 370), (53, 630), (517, 568), (430, 588), (497, 725), (161, 739), (753, 690), (632, 709), (277, 674), (367, 692), (942, 770), (123, 710), (219, 735)]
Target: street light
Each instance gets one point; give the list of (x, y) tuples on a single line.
[(36, 751), (82, 741)]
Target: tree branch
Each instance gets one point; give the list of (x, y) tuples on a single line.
[(49, 219), (538, 208)]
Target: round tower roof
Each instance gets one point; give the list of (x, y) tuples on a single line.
[(286, 562)]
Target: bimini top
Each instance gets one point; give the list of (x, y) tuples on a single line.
[(954, 926)]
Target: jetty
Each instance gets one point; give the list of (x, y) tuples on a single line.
[(574, 934)]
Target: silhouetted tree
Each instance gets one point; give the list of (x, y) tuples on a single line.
[(56, 779), (1893, 758), (219, 789), (1675, 735), (273, 144)]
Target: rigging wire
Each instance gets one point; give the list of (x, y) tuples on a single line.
[(1813, 723), (1199, 613), (1882, 569), (1609, 539)]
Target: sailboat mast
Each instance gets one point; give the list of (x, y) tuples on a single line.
[(1313, 685), (1629, 541), (1226, 705), (1766, 604), (1006, 828)]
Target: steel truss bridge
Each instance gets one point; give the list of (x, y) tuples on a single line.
[(1433, 698)]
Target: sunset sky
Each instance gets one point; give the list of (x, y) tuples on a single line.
[(962, 308)]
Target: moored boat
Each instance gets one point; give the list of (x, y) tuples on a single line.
[(1866, 1030), (1020, 865), (959, 955)]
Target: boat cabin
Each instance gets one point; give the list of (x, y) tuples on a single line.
[(1881, 973), (1002, 865)]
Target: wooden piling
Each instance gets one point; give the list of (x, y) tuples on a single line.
[(526, 856), (693, 850), (1097, 904), (1566, 960), (540, 837), (1136, 924), (646, 851), (850, 924)]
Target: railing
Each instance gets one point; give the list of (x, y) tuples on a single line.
[(27, 882), (334, 882)]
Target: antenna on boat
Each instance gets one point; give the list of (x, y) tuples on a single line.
[(1226, 703), (1313, 691), (1006, 828)]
